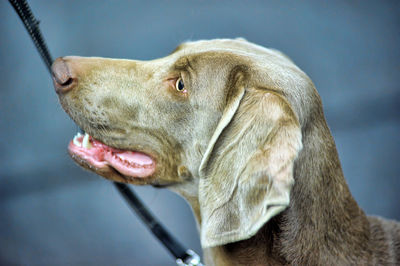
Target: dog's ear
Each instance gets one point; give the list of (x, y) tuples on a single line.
[(247, 170)]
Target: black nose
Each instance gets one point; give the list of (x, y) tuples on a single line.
[(62, 79)]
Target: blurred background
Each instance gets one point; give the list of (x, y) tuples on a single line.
[(54, 213)]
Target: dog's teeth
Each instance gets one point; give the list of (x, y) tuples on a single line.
[(76, 141), (86, 143), (77, 135)]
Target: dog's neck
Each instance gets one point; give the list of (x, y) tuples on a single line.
[(323, 221)]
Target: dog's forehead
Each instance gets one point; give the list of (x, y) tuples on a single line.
[(239, 47), (219, 44)]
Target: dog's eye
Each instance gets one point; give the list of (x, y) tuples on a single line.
[(179, 85)]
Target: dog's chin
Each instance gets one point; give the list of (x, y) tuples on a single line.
[(114, 164)]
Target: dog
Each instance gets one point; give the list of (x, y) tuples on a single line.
[(237, 130)]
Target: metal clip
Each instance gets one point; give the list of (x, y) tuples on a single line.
[(192, 260)]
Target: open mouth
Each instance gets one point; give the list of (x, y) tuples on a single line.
[(99, 156)]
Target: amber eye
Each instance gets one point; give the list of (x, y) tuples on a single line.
[(179, 85)]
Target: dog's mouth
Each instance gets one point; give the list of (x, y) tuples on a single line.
[(99, 156)]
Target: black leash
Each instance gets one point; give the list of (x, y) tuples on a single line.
[(32, 26), (184, 257)]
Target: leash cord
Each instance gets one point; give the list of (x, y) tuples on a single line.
[(146, 216), (32, 26), (184, 257)]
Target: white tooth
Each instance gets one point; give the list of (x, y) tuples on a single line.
[(77, 135), (76, 141), (86, 143)]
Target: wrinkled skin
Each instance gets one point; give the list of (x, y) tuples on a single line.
[(247, 132)]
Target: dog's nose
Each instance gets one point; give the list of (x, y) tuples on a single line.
[(63, 80)]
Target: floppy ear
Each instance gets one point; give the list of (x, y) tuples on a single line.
[(247, 170)]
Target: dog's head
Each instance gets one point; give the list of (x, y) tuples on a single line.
[(220, 121)]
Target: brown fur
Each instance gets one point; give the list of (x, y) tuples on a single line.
[(247, 146)]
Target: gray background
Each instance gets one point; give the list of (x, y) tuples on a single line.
[(54, 213)]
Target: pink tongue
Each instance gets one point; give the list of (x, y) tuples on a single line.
[(135, 157), (130, 163)]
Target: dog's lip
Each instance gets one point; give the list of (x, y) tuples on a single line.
[(98, 156)]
